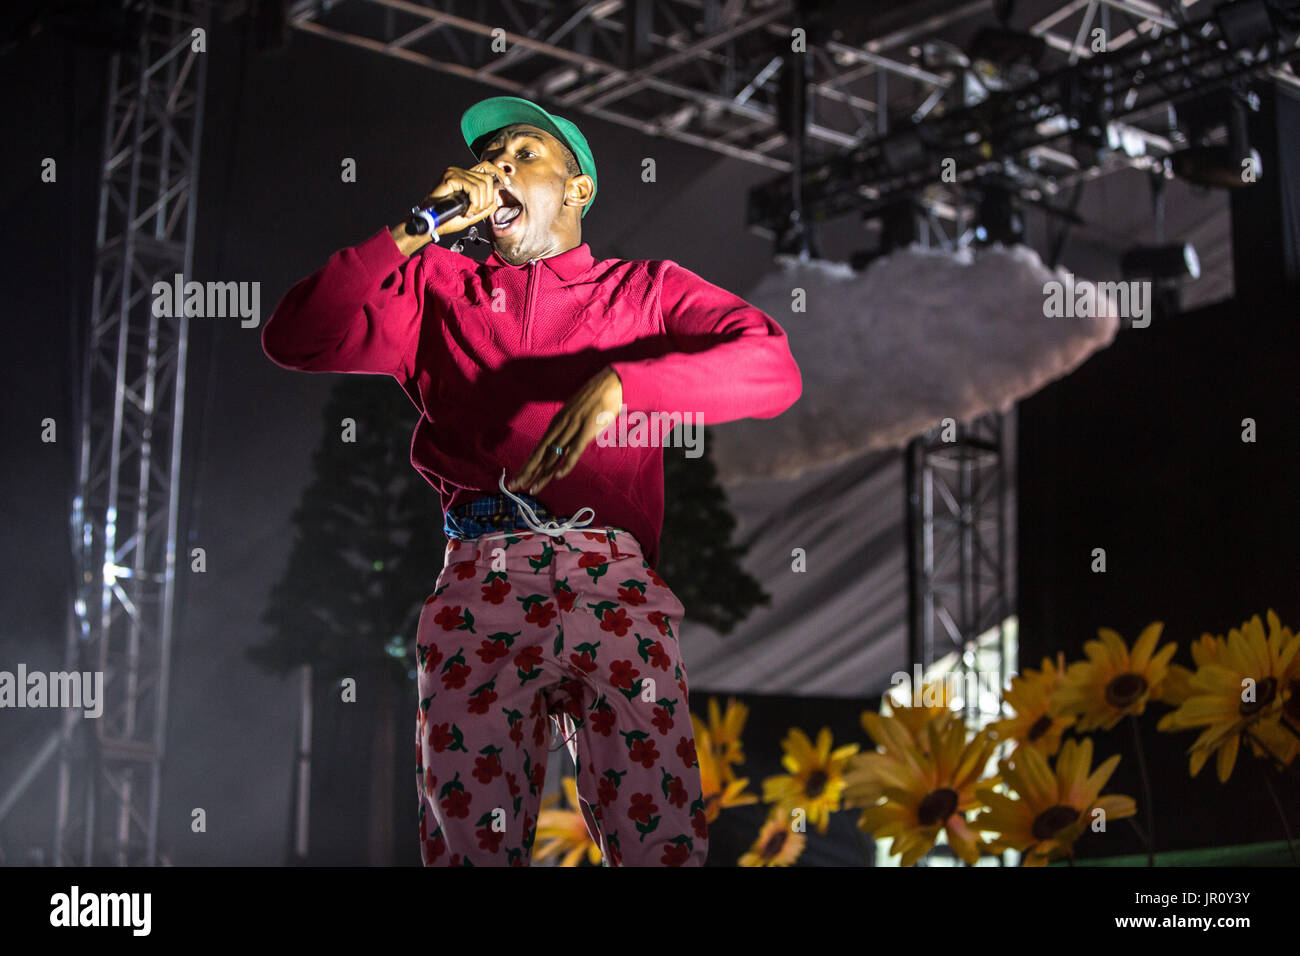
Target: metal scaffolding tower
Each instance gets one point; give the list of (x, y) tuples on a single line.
[(957, 530), (133, 397)]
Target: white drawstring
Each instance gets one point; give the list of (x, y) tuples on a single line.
[(552, 528)]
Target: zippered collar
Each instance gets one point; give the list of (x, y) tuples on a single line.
[(567, 265)]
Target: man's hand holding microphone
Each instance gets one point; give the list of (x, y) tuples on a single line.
[(479, 184)]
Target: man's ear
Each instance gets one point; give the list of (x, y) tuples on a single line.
[(579, 190)]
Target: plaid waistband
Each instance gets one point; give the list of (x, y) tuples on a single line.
[(491, 513)]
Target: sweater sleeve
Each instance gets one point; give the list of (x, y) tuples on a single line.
[(731, 360), (360, 312)]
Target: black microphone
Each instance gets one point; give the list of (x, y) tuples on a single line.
[(429, 218)]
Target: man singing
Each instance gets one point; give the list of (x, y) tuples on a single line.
[(539, 612)]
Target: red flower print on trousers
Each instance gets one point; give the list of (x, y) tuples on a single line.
[(434, 848), (493, 650), (439, 737), (631, 595), (584, 656), (564, 599), (430, 782), (487, 768), (686, 750), (541, 614), (658, 656), (642, 807), (528, 659), (677, 792), (616, 620), (643, 752), (700, 823), (430, 657), (606, 791), (594, 563), (489, 839), (482, 700), (653, 575), (466, 569), (455, 674), (622, 673), (540, 611), (675, 854), (663, 720), (495, 591), (660, 620), (602, 721), (456, 799), (449, 618)]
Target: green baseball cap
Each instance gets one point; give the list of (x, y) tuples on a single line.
[(487, 116)]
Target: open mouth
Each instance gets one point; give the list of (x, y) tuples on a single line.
[(508, 213)]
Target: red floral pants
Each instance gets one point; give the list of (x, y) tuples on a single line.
[(526, 629)]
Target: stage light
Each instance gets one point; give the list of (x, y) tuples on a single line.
[(1215, 166), (1221, 166), (1175, 261)]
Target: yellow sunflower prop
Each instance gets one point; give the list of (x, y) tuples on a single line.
[(564, 831), (1113, 682), (1239, 692), (718, 796), (935, 700), (1178, 682), (815, 781), (777, 845), (1030, 697), (928, 792), (725, 728), (1054, 809)]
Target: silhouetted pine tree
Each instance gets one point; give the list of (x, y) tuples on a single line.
[(367, 548), (696, 556)]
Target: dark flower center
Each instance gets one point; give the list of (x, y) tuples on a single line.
[(1125, 690), (1041, 726), (937, 806), (774, 843), (1265, 691), (816, 783), (1050, 821)]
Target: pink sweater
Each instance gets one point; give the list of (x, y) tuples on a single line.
[(490, 352)]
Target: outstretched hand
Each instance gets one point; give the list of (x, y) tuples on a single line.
[(573, 428)]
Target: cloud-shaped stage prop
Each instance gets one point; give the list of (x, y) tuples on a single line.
[(919, 336)]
